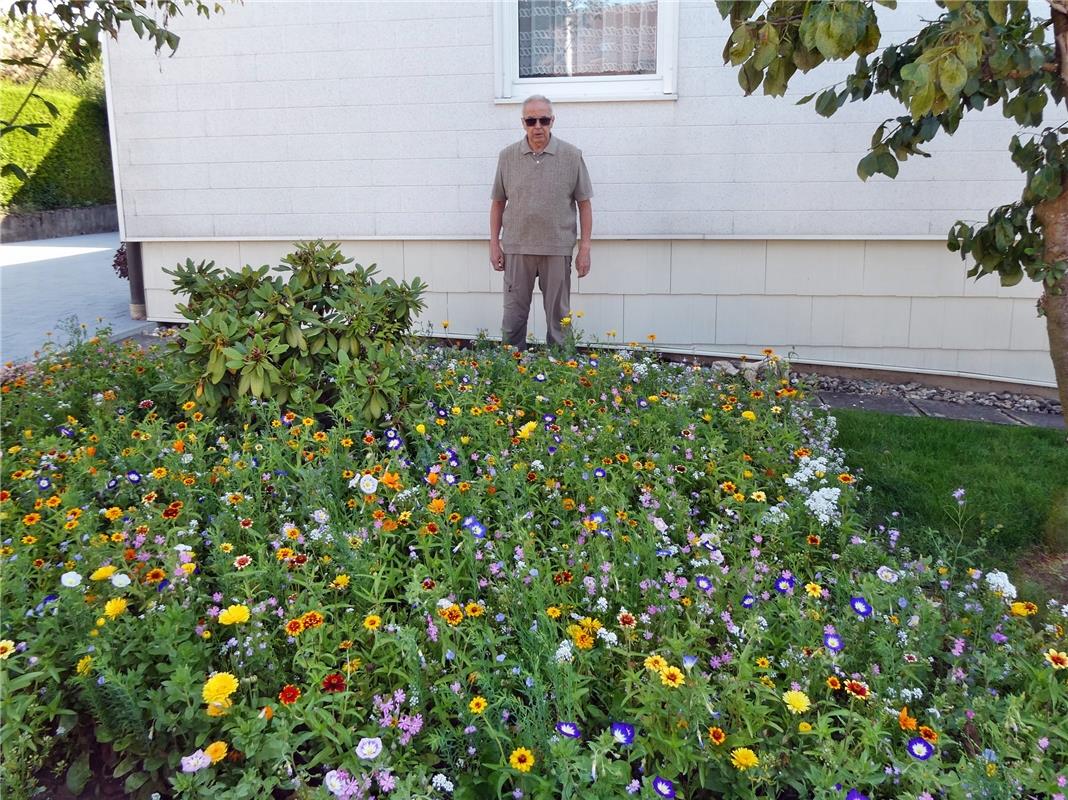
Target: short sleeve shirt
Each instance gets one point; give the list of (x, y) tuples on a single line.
[(541, 192)]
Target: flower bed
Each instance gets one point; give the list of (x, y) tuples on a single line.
[(593, 578)]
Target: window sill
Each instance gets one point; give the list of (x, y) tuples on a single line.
[(580, 97)]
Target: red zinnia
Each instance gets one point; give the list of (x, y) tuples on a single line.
[(289, 694), (334, 682), (858, 689)]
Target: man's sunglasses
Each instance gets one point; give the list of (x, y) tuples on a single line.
[(532, 121)]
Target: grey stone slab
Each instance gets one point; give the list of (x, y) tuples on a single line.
[(972, 413), (1054, 421), (887, 404)]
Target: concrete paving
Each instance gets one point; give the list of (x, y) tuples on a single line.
[(44, 282), (892, 404)]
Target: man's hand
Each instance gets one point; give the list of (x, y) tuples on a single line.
[(496, 256), (582, 262)]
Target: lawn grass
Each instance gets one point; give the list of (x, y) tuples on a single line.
[(1016, 480)]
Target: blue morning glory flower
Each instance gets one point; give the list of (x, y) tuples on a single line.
[(133, 476), (569, 730), (623, 732), (785, 584), (599, 473), (748, 601), (689, 661), (833, 642), (920, 749), (663, 787), (704, 583), (643, 403), (391, 433), (44, 484), (855, 794), (860, 605), (395, 443)]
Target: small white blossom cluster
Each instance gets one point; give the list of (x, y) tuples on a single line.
[(809, 468), (441, 783), (774, 516), (565, 652), (608, 637), (823, 503), (999, 582)]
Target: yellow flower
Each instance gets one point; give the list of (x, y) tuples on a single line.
[(219, 708), (521, 759), (813, 589), (103, 573), (748, 415), (372, 622), (797, 702), (1023, 609), (655, 663), (1056, 659), (478, 704), (189, 568), (420, 428), (85, 665), (115, 607), (233, 615), (553, 612), (7, 647), (216, 751), (340, 582), (673, 677), (219, 687), (803, 727), (742, 758)]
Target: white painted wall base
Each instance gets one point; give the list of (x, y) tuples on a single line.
[(885, 304)]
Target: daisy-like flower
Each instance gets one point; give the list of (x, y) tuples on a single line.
[(717, 735), (920, 749), (372, 622), (242, 561), (813, 590), (234, 615), (521, 759), (7, 647), (334, 682), (1057, 659), (797, 702), (569, 730), (623, 732), (858, 689), (477, 705), (861, 606), (289, 694), (655, 663), (742, 758), (673, 677), (218, 687), (663, 787)]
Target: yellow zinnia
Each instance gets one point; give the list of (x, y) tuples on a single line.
[(797, 702), (103, 573), (477, 705), (742, 758), (115, 607), (234, 615), (216, 751), (219, 687)]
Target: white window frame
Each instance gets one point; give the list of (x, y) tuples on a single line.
[(513, 89)]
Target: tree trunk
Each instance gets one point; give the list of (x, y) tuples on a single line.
[(1054, 217)]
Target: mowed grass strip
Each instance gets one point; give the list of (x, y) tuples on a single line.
[(1016, 480)]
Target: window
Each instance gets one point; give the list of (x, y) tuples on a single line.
[(586, 49)]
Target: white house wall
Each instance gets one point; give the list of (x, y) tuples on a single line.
[(722, 223)]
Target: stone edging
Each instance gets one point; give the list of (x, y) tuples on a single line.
[(61, 222)]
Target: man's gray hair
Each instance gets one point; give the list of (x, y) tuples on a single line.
[(538, 98)]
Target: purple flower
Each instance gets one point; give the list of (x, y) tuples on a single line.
[(855, 794), (785, 584), (569, 730), (920, 749), (133, 476), (748, 601), (598, 473), (663, 787), (860, 605), (704, 583), (622, 732), (196, 762), (833, 642)]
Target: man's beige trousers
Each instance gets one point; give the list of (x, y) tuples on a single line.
[(554, 280)]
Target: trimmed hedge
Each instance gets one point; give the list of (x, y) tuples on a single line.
[(69, 164)]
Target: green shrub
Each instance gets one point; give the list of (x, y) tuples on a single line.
[(68, 163), (254, 335)]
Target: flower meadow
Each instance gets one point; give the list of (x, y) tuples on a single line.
[(585, 575)]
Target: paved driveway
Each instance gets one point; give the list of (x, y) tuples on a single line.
[(46, 281)]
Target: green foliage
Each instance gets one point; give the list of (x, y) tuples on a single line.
[(255, 335), (974, 55), (67, 161)]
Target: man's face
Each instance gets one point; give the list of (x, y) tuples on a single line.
[(537, 134)]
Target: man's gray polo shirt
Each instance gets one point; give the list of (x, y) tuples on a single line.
[(541, 191)]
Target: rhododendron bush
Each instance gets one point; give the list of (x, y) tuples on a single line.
[(545, 576)]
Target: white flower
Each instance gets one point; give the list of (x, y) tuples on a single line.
[(886, 574), (369, 748), (441, 783), (120, 581), (70, 579), (999, 582), (334, 782), (823, 503), (564, 652), (368, 484)]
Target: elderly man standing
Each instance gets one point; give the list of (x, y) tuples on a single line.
[(540, 181)]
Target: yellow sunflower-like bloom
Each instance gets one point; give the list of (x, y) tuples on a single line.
[(219, 687)]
